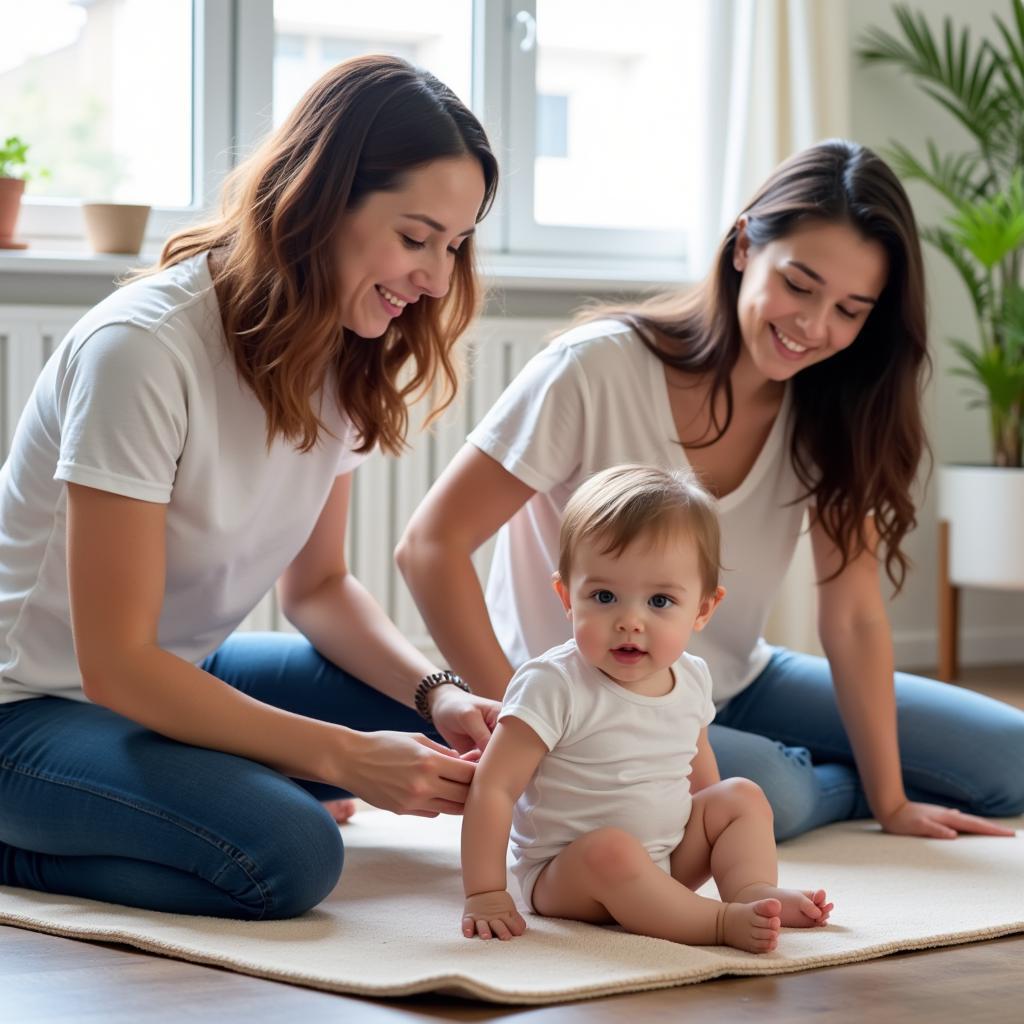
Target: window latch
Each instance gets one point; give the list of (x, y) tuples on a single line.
[(529, 24)]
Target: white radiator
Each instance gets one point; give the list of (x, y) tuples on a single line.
[(385, 490)]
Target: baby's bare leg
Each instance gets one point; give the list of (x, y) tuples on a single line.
[(730, 832), (609, 876)]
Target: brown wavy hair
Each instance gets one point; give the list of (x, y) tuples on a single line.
[(858, 435), (358, 130)]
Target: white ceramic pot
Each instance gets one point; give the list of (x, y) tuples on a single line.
[(984, 506)]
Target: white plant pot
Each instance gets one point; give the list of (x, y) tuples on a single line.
[(984, 506)]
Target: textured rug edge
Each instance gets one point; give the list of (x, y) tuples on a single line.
[(466, 988)]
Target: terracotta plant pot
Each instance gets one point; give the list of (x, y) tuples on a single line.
[(115, 227), (11, 190)]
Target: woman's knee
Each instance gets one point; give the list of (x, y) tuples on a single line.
[(999, 782), (794, 813), (307, 867), (962, 748), (291, 866)]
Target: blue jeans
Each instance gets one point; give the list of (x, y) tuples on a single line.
[(957, 748), (95, 805)]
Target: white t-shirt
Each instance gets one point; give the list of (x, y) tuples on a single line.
[(142, 399), (616, 758), (597, 397)]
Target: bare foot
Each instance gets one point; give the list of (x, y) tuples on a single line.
[(340, 810), (752, 926), (801, 908)]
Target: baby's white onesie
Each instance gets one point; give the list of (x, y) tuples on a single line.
[(616, 758)]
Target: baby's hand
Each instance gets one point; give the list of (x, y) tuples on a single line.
[(489, 914)]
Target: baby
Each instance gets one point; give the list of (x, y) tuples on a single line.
[(600, 764)]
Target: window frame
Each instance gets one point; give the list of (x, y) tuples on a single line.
[(213, 111), (522, 232), (232, 102)]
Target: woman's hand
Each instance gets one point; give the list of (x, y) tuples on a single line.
[(406, 773), (465, 720), (913, 819), (490, 914)]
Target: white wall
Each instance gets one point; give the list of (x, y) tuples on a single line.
[(886, 105)]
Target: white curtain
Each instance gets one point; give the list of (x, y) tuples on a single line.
[(779, 81)]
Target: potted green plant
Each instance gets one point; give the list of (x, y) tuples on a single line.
[(981, 85), (14, 172)]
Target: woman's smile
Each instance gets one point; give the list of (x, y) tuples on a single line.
[(786, 346)]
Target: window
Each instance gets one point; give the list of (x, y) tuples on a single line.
[(603, 115), (592, 107), (552, 126), (311, 36), (103, 94)]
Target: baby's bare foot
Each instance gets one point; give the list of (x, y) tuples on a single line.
[(340, 810), (801, 908), (752, 926)]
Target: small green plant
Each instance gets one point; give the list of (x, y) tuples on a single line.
[(982, 87), (14, 159)]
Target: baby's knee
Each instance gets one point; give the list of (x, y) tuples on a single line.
[(613, 855), (743, 796)]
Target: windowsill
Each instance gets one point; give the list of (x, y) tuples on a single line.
[(501, 271), (580, 273), (46, 257)]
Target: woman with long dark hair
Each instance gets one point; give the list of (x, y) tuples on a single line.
[(790, 380), (191, 442)]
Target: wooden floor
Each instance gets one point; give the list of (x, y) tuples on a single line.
[(45, 979)]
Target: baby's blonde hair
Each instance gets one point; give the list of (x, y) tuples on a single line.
[(621, 504)]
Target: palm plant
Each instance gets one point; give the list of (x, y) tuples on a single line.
[(982, 87)]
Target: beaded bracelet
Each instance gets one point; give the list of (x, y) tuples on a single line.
[(431, 682)]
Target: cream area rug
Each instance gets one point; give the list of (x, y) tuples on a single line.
[(391, 928)]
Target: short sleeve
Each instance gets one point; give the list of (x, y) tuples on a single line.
[(123, 406), (536, 428), (704, 674), (349, 459), (540, 696)]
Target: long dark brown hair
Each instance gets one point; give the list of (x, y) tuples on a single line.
[(358, 130), (857, 433)]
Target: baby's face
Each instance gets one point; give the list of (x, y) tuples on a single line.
[(633, 613)]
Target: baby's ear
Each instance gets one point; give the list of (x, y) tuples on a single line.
[(708, 605), (562, 591)]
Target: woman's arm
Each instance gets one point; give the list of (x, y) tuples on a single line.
[(336, 613), (468, 503), (116, 573), (855, 634), (504, 771)]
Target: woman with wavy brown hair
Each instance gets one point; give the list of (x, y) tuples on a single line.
[(191, 442), (790, 381)]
